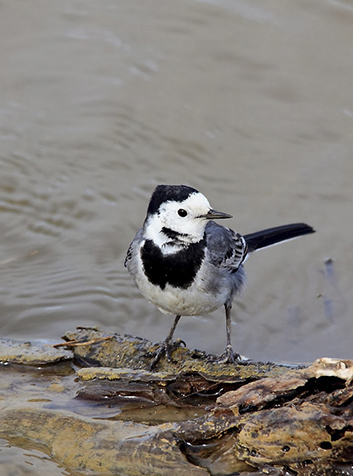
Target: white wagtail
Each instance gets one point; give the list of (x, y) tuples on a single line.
[(187, 265)]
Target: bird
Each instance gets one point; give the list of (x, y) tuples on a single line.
[(186, 264)]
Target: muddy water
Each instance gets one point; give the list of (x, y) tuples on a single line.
[(250, 103)]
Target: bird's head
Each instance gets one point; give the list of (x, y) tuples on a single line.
[(179, 214)]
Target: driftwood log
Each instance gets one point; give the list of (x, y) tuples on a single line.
[(94, 406)]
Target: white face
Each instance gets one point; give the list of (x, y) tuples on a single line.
[(187, 218)]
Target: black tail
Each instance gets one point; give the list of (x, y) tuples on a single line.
[(271, 236)]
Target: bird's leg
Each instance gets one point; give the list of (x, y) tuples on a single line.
[(229, 357), (167, 345)]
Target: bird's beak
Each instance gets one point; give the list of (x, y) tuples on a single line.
[(215, 215)]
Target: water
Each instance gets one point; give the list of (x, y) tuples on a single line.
[(249, 103), (27, 461)]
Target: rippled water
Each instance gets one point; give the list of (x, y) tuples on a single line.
[(250, 103)]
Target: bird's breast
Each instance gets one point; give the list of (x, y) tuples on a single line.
[(183, 283), (177, 269)]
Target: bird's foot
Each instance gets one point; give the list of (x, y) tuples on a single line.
[(166, 348), (229, 356)]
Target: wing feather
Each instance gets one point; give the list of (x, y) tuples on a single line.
[(226, 248)]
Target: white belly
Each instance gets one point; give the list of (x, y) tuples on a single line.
[(197, 299)]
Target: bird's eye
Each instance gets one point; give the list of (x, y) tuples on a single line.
[(182, 212)]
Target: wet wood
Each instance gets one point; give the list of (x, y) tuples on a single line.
[(94, 406)]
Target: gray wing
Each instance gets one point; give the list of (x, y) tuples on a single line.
[(226, 248), (130, 251)]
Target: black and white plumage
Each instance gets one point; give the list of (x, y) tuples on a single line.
[(186, 264)]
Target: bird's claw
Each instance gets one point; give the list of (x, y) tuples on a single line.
[(229, 356), (166, 348)]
